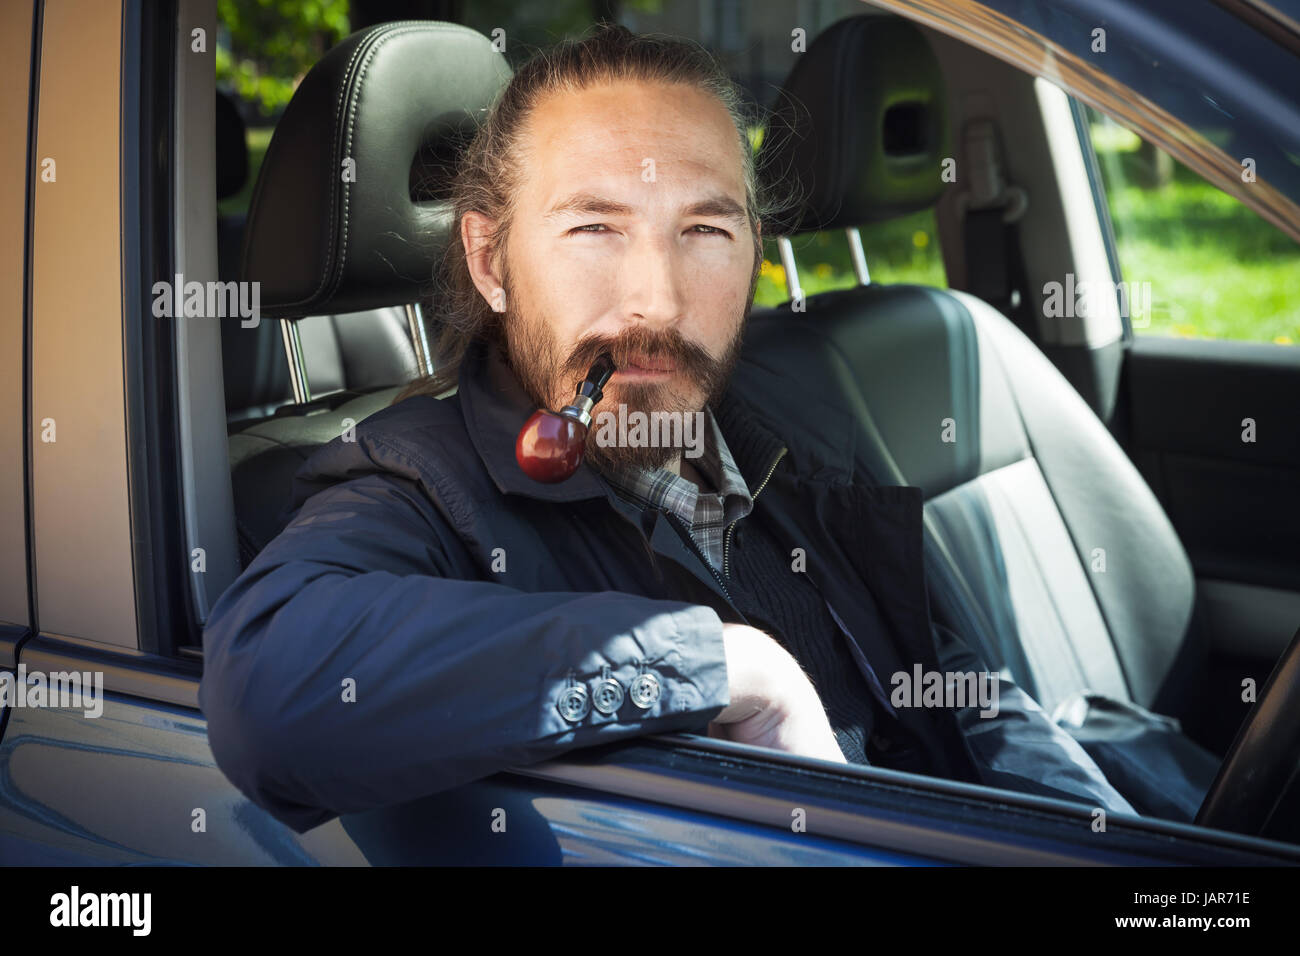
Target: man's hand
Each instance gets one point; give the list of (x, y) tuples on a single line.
[(773, 704)]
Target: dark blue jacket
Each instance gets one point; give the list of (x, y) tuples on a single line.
[(416, 623)]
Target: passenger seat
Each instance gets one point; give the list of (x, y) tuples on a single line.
[(396, 102), (1027, 493)]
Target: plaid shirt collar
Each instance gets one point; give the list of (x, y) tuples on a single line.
[(704, 514)]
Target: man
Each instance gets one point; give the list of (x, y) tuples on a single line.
[(431, 615)]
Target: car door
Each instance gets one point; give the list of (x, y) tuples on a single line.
[(125, 491), (16, 25), (1208, 402), (105, 757)]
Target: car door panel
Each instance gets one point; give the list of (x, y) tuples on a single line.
[(1213, 429), (138, 785)]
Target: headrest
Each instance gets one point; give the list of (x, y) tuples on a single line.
[(859, 127), (232, 148), (333, 226)]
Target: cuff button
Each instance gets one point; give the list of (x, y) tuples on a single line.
[(645, 690), (574, 704), (609, 694)]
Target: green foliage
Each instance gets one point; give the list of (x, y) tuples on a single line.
[(1216, 269), (272, 44)]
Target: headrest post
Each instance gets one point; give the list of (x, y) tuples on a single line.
[(791, 270), (859, 257), (297, 366), (419, 338)]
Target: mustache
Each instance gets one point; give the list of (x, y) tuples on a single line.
[(686, 356)]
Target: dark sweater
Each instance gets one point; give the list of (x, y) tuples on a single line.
[(785, 604)]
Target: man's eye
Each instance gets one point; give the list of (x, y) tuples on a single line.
[(592, 227), (711, 230)]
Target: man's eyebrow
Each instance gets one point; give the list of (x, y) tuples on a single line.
[(721, 206), (588, 204)]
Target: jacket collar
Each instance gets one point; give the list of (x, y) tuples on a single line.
[(495, 407)]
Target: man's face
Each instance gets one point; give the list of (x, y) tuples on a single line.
[(630, 234)]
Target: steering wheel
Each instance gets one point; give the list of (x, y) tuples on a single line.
[(1257, 789)]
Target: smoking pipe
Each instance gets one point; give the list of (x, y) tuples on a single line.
[(550, 445)]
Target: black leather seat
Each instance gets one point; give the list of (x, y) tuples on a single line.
[(1046, 547), (358, 352), (321, 243)]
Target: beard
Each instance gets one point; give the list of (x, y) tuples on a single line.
[(550, 377)]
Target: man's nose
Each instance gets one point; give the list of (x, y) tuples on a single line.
[(653, 284)]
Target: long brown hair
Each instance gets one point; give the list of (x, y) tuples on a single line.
[(487, 177)]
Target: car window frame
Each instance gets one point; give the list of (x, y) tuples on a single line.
[(1023, 47), (945, 820)]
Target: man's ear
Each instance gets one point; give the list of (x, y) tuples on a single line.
[(476, 232)]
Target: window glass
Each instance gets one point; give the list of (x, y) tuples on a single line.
[(264, 49), (1208, 266)]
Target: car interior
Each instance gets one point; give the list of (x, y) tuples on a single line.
[(1046, 543)]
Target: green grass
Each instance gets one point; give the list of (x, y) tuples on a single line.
[(1216, 269)]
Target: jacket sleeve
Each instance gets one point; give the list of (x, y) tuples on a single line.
[(1016, 746), (345, 669)]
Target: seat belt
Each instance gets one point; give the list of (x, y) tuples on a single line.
[(991, 210)]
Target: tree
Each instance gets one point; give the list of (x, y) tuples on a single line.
[(270, 44)]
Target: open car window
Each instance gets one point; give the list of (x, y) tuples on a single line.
[(1196, 262)]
